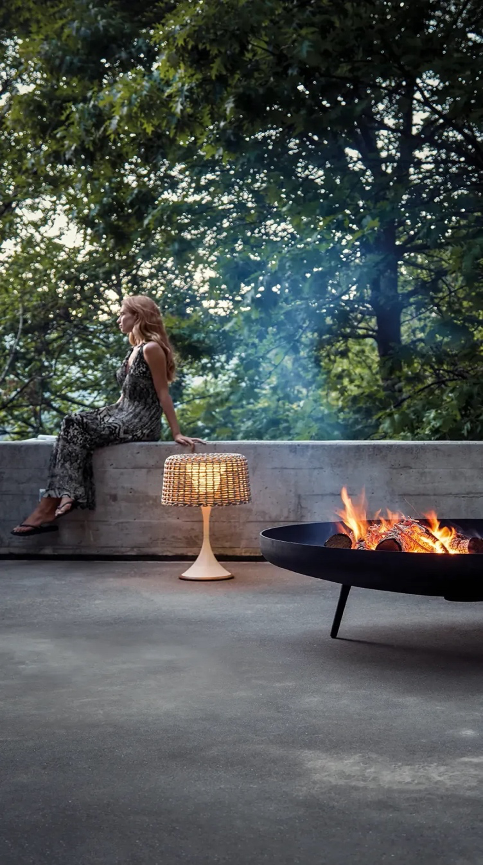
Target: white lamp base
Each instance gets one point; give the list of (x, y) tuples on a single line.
[(206, 566)]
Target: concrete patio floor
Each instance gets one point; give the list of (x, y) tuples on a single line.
[(147, 720)]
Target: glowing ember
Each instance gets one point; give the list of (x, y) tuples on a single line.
[(397, 532)]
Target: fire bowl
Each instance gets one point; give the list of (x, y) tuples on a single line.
[(300, 548)]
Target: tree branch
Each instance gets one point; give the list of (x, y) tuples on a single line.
[(17, 393), (424, 388), (444, 117)]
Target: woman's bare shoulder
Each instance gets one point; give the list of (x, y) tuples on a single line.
[(154, 352), (153, 348)]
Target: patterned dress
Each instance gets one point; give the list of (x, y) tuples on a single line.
[(135, 418)]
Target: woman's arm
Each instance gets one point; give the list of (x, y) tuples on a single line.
[(156, 360)]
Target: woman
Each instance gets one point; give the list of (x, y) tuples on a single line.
[(144, 376)]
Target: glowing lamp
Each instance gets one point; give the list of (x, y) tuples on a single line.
[(207, 480)]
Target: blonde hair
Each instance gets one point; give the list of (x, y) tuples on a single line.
[(149, 326)]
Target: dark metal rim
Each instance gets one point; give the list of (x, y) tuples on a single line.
[(342, 555)]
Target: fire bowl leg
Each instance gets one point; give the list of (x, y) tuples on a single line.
[(343, 596)]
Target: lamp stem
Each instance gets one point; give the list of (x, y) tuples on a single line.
[(206, 511), (206, 566)]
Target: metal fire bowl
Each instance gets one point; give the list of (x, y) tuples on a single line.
[(300, 548)]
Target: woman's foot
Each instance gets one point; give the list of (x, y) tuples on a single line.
[(66, 504), (44, 513)]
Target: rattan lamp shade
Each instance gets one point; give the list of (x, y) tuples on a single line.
[(206, 479)]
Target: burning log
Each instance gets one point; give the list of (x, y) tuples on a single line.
[(475, 545), (375, 534), (412, 537), (407, 536), (396, 532), (339, 540), (361, 545), (461, 544), (389, 544), (418, 536), (357, 543)]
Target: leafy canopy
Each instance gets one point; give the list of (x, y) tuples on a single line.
[(298, 183)]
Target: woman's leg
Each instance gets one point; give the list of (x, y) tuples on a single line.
[(70, 458), (70, 470)]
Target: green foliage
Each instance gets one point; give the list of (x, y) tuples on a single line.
[(298, 185)]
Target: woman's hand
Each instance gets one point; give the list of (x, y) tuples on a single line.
[(188, 441)]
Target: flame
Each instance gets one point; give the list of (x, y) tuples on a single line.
[(388, 522), (445, 534), (354, 516), (415, 537)]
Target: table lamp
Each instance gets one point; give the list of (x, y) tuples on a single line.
[(206, 480)]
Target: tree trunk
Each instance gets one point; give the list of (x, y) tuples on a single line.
[(387, 308)]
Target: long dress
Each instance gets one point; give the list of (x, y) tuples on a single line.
[(135, 418)]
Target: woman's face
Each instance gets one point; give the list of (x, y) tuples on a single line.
[(126, 320)]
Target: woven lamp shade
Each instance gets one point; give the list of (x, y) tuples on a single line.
[(206, 479)]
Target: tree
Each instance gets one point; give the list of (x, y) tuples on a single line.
[(300, 161), (59, 293), (352, 131)]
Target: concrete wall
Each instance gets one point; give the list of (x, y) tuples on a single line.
[(291, 482)]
